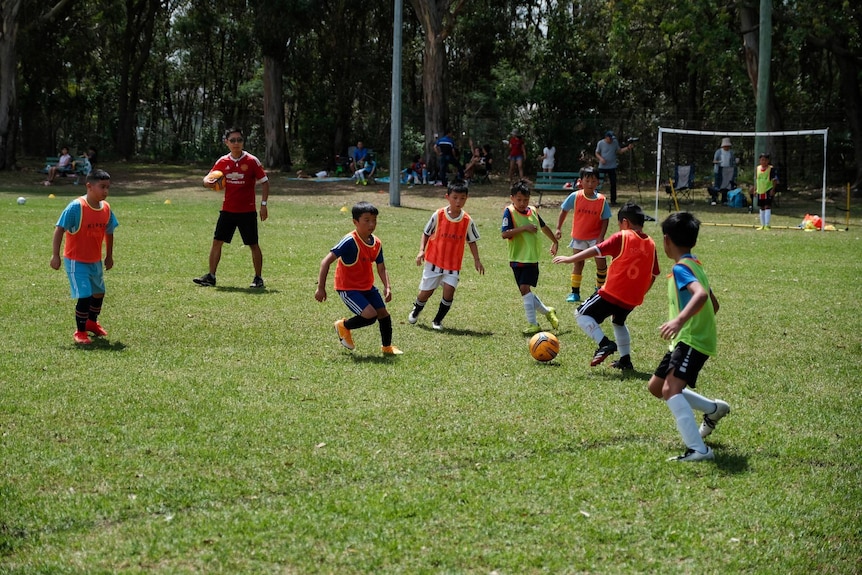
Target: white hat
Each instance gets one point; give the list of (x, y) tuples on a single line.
[(726, 142)]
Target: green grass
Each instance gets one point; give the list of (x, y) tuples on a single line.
[(226, 431)]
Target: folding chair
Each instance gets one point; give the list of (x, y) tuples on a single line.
[(681, 185)]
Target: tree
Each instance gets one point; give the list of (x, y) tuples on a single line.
[(437, 18)]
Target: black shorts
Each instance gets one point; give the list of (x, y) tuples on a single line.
[(685, 361), (599, 309), (526, 274), (229, 222), (764, 201)]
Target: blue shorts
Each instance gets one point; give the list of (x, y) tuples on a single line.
[(85, 279), (357, 301)]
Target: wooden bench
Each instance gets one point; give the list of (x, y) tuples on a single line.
[(555, 181)]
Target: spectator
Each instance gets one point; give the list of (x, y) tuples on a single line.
[(447, 155), (516, 154), (63, 166), (547, 157), (722, 160), (359, 156), (606, 153)]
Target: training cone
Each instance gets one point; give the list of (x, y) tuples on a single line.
[(343, 209), (52, 196), (167, 201)]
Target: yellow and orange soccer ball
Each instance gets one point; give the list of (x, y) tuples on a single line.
[(544, 346), (214, 181)]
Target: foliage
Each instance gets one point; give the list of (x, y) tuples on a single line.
[(561, 71)]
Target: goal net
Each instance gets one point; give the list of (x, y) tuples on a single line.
[(799, 156)]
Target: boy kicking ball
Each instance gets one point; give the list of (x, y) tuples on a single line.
[(356, 254), (692, 333)]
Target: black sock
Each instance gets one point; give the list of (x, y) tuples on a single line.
[(386, 330), (605, 341), (82, 313), (95, 308), (418, 306), (358, 321), (444, 308)]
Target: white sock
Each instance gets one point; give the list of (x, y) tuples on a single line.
[(530, 308), (767, 217), (540, 307), (762, 218), (624, 339), (685, 423), (591, 328), (699, 402)]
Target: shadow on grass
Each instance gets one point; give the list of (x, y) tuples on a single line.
[(101, 344), (456, 331), (382, 359), (252, 291)]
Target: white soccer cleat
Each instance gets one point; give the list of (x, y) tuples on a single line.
[(692, 455), (710, 420)]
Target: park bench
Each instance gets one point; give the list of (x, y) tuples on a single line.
[(555, 181), (79, 170)]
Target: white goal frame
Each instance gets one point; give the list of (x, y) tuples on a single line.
[(661, 131)]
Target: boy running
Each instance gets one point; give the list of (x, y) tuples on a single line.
[(442, 250), (355, 255)]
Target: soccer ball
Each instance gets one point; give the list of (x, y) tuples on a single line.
[(544, 346), (214, 181), (22, 200)]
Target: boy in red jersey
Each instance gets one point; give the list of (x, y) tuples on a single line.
[(356, 254), (442, 250), (589, 226), (242, 172), (631, 275), (86, 223)]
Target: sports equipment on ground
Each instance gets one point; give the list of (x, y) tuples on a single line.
[(214, 181), (692, 455), (22, 200), (709, 421), (544, 346), (602, 353)]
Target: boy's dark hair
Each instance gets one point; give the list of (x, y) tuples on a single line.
[(589, 171), (230, 131), (633, 213), (457, 186), (521, 187), (682, 229), (98, 176), (364, 208)]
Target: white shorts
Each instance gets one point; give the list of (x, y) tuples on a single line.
[(547, 164), (432, 277), (579, 245)]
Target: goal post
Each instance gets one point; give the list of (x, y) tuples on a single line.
[(704, 153)]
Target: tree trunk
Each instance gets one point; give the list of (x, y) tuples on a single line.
[(750, 25), (273, 114), (437, 22), (8, 80)]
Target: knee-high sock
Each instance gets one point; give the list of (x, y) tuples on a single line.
[(82, 313), (601, 277), (530, 308), (358, 321), (95, 308), (385, 324), (624, 339), (540, 307), (444, 308), (576, 283), (767, 216), (591, 328), (685, 423), (698, 402)]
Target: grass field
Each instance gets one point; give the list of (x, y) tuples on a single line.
[(226, 430)]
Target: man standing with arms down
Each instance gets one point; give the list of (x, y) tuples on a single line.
[(606, 153), (242, 172)]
